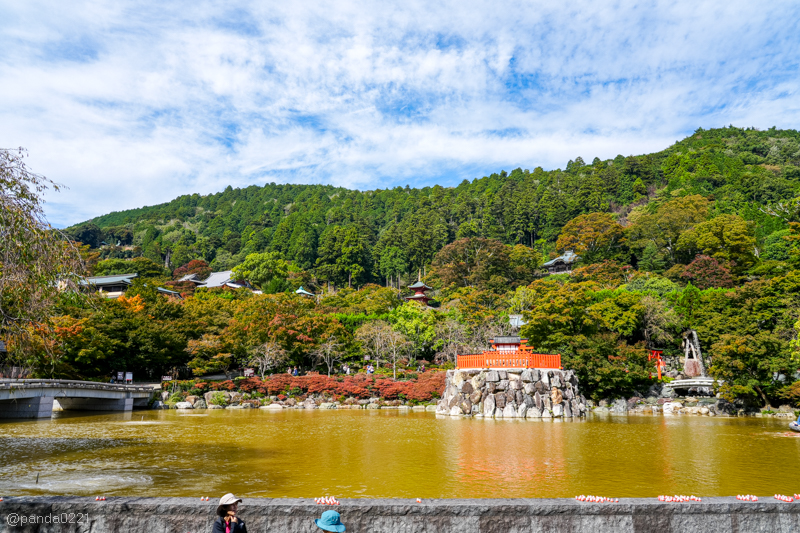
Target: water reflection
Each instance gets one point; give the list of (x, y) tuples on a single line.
[(392, 454)]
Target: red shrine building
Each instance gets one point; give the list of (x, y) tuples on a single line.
[(509, 352), (419, 295)]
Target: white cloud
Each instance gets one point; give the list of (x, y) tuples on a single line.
[(134, 103)]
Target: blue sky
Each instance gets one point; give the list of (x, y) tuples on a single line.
[(133, 103)]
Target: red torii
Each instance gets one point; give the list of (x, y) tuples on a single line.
[(656, 354)]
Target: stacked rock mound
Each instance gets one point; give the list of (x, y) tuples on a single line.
[(513, 393)]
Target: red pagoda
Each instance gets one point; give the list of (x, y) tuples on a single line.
[(419, 295)]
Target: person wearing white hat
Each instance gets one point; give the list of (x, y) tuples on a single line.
[(227, 521)]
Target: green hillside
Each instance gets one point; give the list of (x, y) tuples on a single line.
[(747, 172)]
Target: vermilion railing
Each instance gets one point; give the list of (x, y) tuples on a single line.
[(515, 359)]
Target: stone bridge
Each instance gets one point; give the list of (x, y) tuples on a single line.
[(35, 398)]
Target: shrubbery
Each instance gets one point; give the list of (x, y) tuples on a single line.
[(425, 387)]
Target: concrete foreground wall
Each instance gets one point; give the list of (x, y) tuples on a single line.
[(185, 515)]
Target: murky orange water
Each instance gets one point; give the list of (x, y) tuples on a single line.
[(364, 454)]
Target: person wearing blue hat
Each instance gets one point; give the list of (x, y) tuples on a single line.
[(329, 521)]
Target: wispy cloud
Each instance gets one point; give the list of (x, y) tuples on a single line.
[(134, 103)]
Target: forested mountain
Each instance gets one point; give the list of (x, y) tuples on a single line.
[(340, 234)]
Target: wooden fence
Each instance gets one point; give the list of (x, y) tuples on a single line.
[(516, 359)]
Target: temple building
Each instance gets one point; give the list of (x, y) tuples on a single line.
[(562, 264), (419, 295), (115, 286)]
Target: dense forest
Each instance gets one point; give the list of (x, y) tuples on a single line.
[(702, 235), (380, 234)]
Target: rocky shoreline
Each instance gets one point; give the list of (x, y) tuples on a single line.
[(661, 399), (238, 400), (512, 393)]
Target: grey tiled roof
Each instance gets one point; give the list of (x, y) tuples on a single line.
[(568, 257), (218, 279), (99, 281)]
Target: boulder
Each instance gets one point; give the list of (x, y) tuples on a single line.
[(309, 403), (492, 376), (529, 389), (619, 407), (373, 406), (200, 404), (556, 381), (632, 402), (576, 408), (455, 411), (546, 414), (547, 404), (526, 376), (558, 410), (668, 392), (183, 405), (537, 399), (491, 387), (430, 408), (191, 399), (159, 405), (502, 384), (515, 384), (500, 400), (704, 410), (567, 410), (454, 401), (489, 406), (466, 388), (291, 402), (545, 381), (533, 413), (514, 376), (476, 397), (528, 400), (503, 374), (246, 405), (510, 397), (207, 396), (568, 394), (458, 379), (212, 406), (466, 407), (449, 392), (672, 407), (509, 411), (522, 410), (478, 381), (535, 375), (540, 387), (235, 397), (165, 396), (327, 405), (519, 398)]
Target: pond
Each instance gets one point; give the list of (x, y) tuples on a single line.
[(387, 453)]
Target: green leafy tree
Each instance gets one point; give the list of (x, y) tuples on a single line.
[(471, 262), (747, 364), (593, 236), (418, 325), (667, 223), (727, 238), (260, 269), (39, 267), (343, 255), (143, 267)]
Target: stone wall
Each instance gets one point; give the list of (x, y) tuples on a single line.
[(513, 393), (189, 515)]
